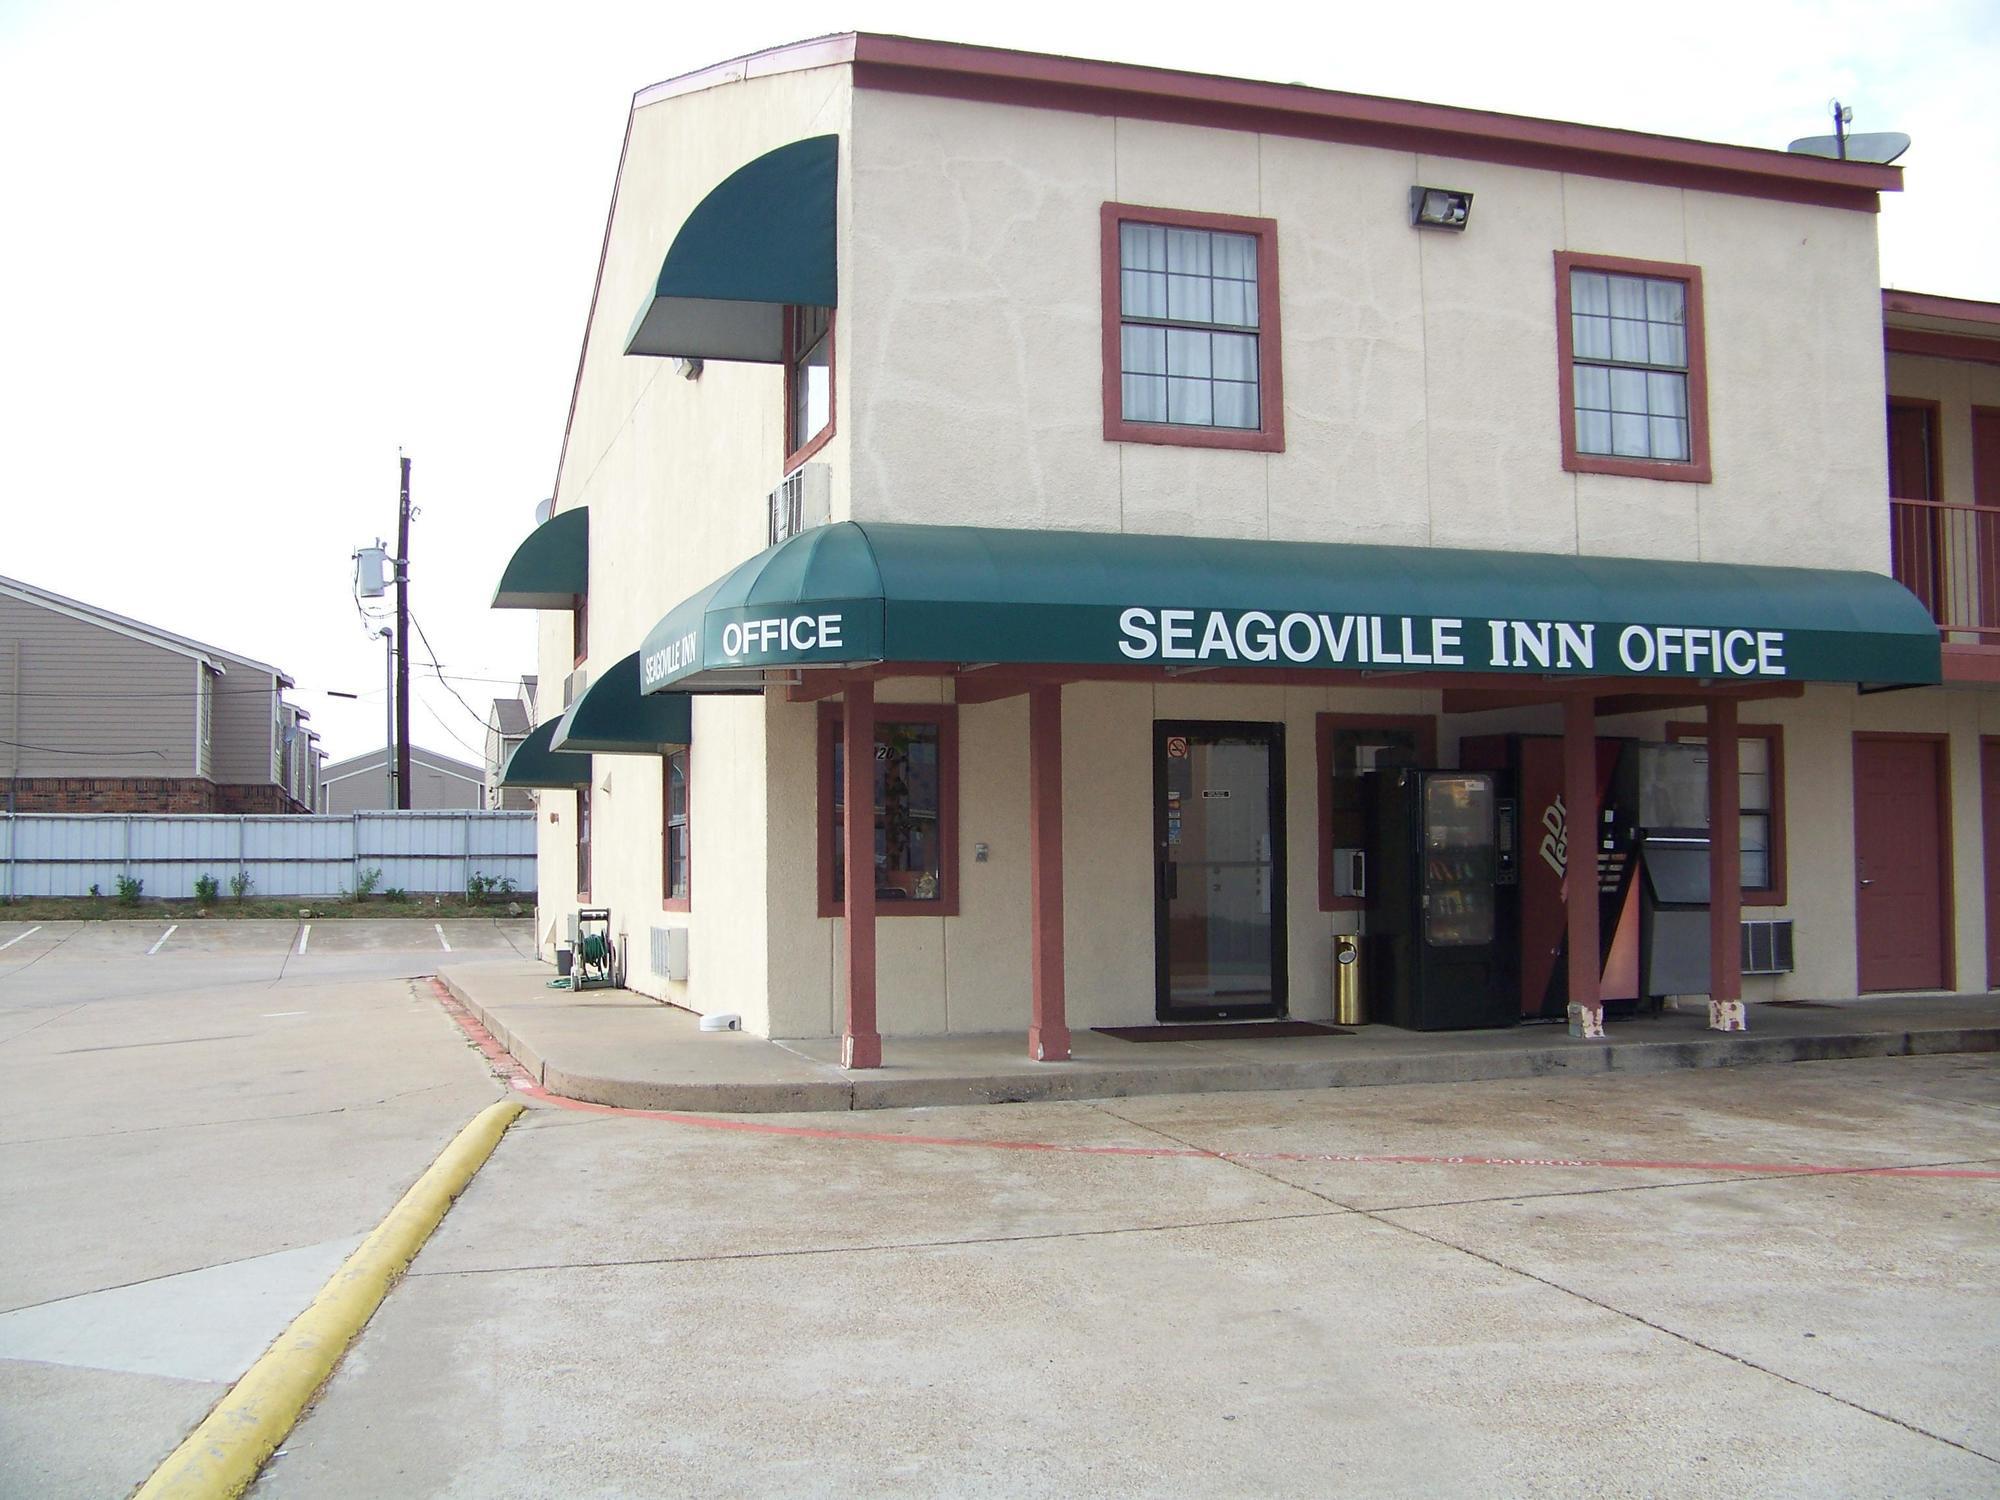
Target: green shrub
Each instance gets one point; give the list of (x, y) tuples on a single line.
[(239, 884), (396, 894), (366, 882), (206, 889), (129, 890)]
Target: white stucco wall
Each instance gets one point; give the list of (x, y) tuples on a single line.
[(1420, 369)]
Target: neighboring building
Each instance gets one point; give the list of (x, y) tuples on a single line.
[(984, 472), (507, 724), (100, 713), (361, 782)]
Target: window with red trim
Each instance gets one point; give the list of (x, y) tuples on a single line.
[(808, 382), (1760, 781), (674, 846), (579, 629), (916, 811), (1191, 349), (1348, 747), (583, 842), (1631, 357)]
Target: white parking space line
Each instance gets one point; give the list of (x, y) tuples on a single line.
[(305, 932), (19, 935), (163, 940), (439, 927), (272, 1015)]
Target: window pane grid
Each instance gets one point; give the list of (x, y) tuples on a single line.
[(1188, 310), (1629, 353)]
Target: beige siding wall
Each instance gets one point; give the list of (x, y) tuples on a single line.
[(102, 703), (1420, 368), (245, 706), (358, 790), (1957, 387)]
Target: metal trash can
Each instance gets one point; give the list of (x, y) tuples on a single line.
[(1348, 1006), (565, 960)]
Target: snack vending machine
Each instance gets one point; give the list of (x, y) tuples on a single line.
[(1436, 956)]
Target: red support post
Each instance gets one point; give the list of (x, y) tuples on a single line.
[(1586, 1004), (861, 1047), (1725, 872), (1048, 1032)]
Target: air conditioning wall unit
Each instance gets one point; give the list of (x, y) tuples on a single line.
[(1767, 946), (802, 500), (670, 952)]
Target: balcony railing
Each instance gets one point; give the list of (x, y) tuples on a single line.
[(1949, 557)]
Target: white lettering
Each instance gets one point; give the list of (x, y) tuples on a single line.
[(732, 639), (1770, 653), (1295, 652), (1216, 637), (1260, 644), (829, 632), (1337, 641), (805, 633), (1445, 644), (1176, 630), (1630, 636), (1137, 628), (1697, 645), (1576, 647), (1730, 642), (1410, 652), (1382, 653), (1530, 639), (1499, 629), (1671, 640)]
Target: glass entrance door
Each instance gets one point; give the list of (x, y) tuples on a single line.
[(1219, 870)]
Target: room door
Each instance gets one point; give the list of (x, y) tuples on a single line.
[(1989, 783), (1902, 892), (1219, 870)]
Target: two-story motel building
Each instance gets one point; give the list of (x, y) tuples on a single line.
[(1091, 471)]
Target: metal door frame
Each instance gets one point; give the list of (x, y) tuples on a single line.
[(1273, 737)]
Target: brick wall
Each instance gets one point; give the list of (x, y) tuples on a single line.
[(109, 794), (266, 797)]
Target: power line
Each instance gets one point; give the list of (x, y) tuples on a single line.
[(431, 651)]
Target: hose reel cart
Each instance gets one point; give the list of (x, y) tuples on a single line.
[(596, 957)]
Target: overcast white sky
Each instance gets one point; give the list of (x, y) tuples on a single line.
[(249, 250)]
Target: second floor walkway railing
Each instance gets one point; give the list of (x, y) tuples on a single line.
[(1949, 557)]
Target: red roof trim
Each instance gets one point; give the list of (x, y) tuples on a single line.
[(1930, 345), (1929, 305)]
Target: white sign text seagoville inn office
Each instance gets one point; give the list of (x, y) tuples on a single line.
[(1043, 544)]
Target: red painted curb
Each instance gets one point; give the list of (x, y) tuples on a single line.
[(519, 1079)]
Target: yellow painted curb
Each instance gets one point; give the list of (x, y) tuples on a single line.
[(222, 1456)]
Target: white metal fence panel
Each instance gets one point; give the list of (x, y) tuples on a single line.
[(423, 852)]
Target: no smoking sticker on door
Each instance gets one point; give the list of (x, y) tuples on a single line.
[(1177, 747)]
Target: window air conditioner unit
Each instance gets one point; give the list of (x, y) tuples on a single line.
[(1767, 946), (802, 500)]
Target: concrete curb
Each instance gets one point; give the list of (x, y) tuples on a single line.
[(1073, 1081), (222, 1456)]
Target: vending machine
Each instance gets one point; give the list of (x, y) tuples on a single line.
[(1436, 954)]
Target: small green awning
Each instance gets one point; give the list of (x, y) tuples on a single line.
[(550, 568), (761, 240), (613, 717), (850, 594), (534, 763)]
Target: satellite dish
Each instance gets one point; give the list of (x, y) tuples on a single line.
[(1879, 146)]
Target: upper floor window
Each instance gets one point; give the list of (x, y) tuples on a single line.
[(1191, 352), (579, 629), (1634, 386), (808, 381), (583, 842)]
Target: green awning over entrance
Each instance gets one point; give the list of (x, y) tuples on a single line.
[(551, 567), (535, 764), (764, 238), (613, 717), (850, 594)]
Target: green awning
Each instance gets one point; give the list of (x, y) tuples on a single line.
[(550, 568), (851, 593), (534, 763), (614, 717), (761, 240)]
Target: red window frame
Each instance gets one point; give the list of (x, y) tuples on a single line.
[(583, 842), (1270, 438), (668, 900), (828, 834), (1696, 468), (1773, 735), (796, 456), (1326, 726)]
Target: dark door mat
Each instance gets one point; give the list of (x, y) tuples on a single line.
[(1221, 1031), (1803, 1004)]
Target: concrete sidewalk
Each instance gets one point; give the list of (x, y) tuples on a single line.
[(614, 1047)]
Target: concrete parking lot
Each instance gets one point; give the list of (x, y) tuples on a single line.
[(1774, 1280)]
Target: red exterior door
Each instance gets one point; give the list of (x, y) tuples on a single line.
[(1989, 780), (1902, 895), (1913, 475)]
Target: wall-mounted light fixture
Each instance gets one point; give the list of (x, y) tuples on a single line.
[(688, 369), (1439, 208)]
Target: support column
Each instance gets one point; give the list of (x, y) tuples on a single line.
[(861, 1047), (1048, 1031), (1725, 872), (1586, 1005)]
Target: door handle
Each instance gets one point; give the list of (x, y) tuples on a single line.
[(1866, 881)]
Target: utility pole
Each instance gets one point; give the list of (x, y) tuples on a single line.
[(402, 642)]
